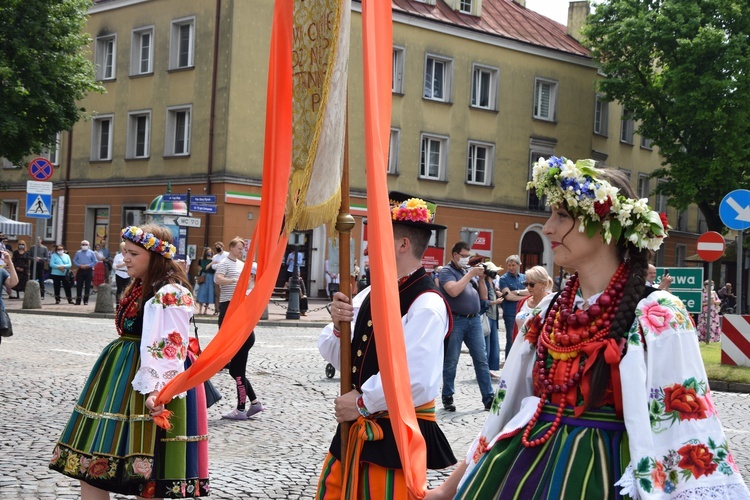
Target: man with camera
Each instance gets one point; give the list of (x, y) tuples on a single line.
[(464, 287)]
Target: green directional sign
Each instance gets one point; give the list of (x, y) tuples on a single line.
[(691, 298), (684, 278)]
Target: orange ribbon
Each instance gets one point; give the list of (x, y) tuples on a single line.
[(367, 429), (612, 355)]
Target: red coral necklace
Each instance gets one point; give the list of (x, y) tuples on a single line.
[(563, 335), (128, 307)]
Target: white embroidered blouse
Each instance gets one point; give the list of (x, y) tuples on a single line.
[(164, 341)]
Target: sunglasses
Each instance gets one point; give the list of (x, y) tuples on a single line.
[(528, 284)]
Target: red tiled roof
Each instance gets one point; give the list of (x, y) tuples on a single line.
[(503, 18)]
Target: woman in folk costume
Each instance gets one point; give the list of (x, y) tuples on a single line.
[(604, 394), (112, 441), (710, 300)]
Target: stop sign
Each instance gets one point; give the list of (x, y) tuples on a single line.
[(710, 246)]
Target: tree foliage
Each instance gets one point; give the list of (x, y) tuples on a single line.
[(682, 68), (43, 72)]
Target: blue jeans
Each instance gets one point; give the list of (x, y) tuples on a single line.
[(492, 346), (510, 322), (467, 331)]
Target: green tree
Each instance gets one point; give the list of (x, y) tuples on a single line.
[(682, 68), (43, 72)]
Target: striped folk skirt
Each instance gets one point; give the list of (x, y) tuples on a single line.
[(111, 442), (584, 458)]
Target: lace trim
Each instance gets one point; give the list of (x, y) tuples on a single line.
[(735, 491)]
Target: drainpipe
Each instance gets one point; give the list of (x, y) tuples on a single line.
[(66, 186), (212, 117)]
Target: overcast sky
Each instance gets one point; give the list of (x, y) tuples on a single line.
[(554, 9)]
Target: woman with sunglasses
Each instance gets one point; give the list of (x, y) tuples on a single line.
[(539, 285), (604, 393)]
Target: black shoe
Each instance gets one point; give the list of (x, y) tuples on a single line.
[(448, 403), (85, 303), (488, 405), (57, 301), (78, 302)]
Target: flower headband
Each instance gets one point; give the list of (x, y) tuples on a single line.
[(597, 204), (412, 210), (148, 241)]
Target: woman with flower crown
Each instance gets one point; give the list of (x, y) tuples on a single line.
[(117, 438), (604, 393)]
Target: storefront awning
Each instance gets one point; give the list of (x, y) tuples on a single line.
[(12, 228)]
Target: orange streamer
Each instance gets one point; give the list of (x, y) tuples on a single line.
[(377, 51), (245, 311)]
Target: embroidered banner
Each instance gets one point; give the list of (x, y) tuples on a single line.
[(320, 58)]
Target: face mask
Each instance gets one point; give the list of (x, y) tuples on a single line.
[(21, 246), (60, 252), (218, 250), (84, 247), (463, 261)]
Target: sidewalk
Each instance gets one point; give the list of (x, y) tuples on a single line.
[(317, 316)]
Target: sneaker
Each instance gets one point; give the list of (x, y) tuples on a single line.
[(254, 409), (448, 403), (235, 414)]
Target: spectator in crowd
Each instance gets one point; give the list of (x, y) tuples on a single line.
[(122, 278), (84, 260), (666, 279), (59, 265), (464, 290), (512, 290), (219, 255), (40, 255), (22, 261)]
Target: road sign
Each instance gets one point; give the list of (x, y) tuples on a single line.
[(210, 198), (691, 298), (204, 209), (734, 210), (683, 278), (174, 197), (188, 221), (40, 169), (710, 246), (36, 187), (38, 206)]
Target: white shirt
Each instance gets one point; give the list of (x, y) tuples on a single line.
[(425, 327), (122, 272)]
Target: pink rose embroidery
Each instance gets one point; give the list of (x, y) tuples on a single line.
[(656, 318), (659, 476), (142, 466), (169, 352), (187, 299), (709, 402)]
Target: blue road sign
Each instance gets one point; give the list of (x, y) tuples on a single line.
[(40, 169), (734, 210), (210, 198), (204, 209), (174, 197), (38, 206)]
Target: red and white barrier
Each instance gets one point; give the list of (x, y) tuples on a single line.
[(735, 340)]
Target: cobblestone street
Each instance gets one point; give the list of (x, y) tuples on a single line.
[(277, 454)]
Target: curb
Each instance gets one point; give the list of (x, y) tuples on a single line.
[(201, 320), (721, 385)]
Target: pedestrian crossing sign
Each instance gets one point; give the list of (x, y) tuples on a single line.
[(38, 205)]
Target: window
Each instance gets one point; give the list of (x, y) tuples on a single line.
[(393, 148), (627, 127), (545, 99), (139, 134), (680, 254), (647, 143), (433, 157), (105, 57), (6, 164), (479, 163), (178, 131), (464, 6), (101, 138), (659, 257), (484, 87), (48, 229), (142, 51), (397, 79), (182, 43), (53, 153), (601, 116), (437, 78), (10, 209), (661, 199), (682, 220), (644, 186)]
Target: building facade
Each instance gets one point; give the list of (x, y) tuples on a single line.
[(481, 90)]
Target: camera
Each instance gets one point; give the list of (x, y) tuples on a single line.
[(490, 274)]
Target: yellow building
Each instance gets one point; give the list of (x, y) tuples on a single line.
[(481, 89)]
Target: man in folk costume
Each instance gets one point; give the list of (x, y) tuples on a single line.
[(372, 467)]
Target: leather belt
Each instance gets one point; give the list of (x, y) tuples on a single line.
[(465, 315)]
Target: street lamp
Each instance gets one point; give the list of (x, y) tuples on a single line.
[(292, 312)]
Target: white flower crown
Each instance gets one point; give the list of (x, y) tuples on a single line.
[(596, 203)]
